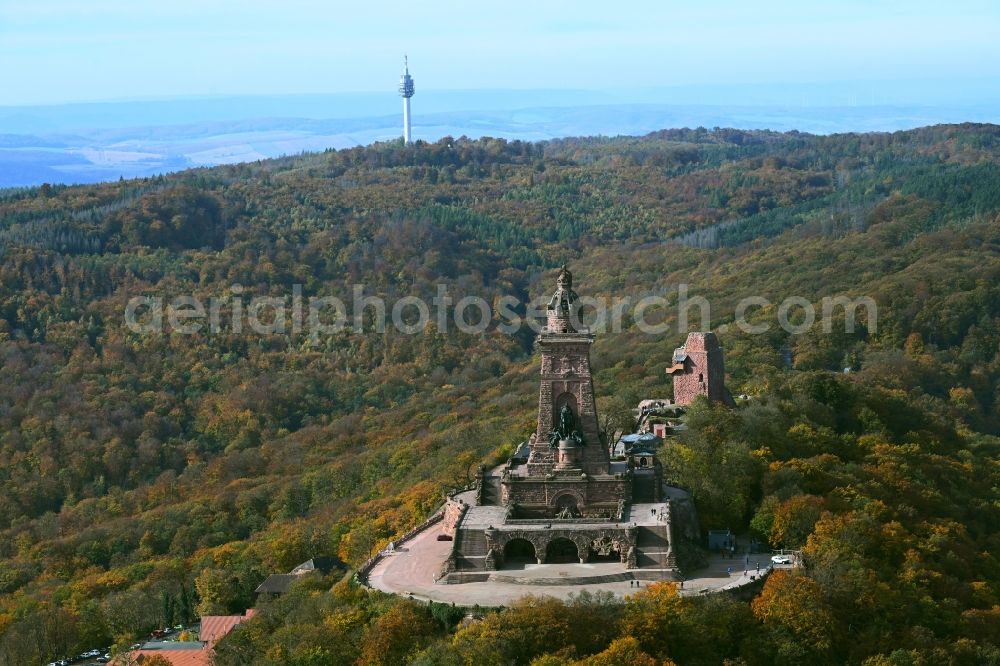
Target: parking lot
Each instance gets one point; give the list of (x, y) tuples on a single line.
[(99, 656)]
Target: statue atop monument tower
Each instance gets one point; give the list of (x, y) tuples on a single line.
[(562, 306)]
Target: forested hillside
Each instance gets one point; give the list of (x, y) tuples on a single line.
[(144, 470)]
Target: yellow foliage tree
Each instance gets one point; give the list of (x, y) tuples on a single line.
[(795, 602), (623, 651), (794, 520), (405, 629), (652, 616)]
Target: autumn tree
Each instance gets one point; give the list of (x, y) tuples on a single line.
[(215, 591), (623, 651), (402, 631), (652, 617), (792, 607)]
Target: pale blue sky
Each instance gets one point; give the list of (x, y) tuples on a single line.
[(55, 51)]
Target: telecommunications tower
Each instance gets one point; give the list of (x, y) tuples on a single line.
[(406, 92)]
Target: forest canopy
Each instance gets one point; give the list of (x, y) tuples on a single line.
[(143, 472)]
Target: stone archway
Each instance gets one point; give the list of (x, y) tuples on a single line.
[(566, 398), (562, 550), (497, 542), (518, 552), (568, 503)]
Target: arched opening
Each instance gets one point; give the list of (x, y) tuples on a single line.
[(567, 505), (562, 400), (605, 549), (643, 462), (561, 551), (517, 553)]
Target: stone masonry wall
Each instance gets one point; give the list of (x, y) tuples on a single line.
[(623, 538), (704, 370), (593, 497), (566, 379), (454, 509)]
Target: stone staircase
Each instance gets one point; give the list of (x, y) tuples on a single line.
[(470, 550), (653, 549), (490, 491), (644, 488)]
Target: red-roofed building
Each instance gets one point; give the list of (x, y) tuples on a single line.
[(213, 629), (216, 627)]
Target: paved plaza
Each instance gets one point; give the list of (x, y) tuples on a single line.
[(412, 568)]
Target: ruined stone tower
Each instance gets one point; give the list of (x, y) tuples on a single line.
[(699, 369)]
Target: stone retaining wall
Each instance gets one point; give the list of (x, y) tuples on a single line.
[(454, 510), (596, 497)]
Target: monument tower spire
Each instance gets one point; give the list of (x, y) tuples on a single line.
[(568, 436)]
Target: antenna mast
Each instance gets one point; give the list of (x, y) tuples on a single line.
[(406, 92)]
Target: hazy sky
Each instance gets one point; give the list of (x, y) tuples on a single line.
[(77, 50)]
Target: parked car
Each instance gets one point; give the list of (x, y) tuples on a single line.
[(781, 559), (444, 537)]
